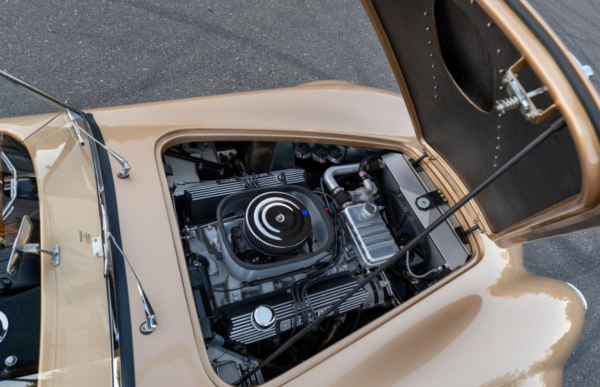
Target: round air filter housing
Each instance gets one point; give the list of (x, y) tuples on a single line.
[(277, 223)]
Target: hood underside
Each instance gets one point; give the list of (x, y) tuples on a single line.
[(452, 57)]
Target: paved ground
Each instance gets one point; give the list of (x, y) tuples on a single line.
[(101, 53)]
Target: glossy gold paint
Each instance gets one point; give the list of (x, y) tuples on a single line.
[(174, 352), (516, 330), (22, 127), (491, 318), (496, 308), (573, 211), (75, 344), (587, 204)]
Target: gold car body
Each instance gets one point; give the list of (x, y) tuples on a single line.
[(75, 342), (488, 323)]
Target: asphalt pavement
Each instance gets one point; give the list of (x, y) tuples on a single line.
[(96, 53)]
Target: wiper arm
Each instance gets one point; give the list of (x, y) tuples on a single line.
[(149, 325), (8, 209), (78, 130)]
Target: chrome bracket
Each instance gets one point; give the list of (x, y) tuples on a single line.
[(34, 248), (97, 247), (54, 253), (431, 199)]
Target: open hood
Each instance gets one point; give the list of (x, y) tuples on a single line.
[(482, 79)]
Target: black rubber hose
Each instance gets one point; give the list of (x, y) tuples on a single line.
[(370, 163)]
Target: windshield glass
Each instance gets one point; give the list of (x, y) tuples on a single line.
[(17, 101)]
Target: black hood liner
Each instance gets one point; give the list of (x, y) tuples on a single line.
[(453, 102)]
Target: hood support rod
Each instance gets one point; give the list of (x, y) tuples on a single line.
[(556, 126)]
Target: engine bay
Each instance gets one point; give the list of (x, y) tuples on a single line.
[(275, 233)]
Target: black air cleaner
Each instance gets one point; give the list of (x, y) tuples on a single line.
[(277, 223)]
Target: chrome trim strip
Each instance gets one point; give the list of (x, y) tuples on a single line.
[(38, 91)]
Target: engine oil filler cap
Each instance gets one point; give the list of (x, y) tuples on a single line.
[(263, 317), (370, 209)]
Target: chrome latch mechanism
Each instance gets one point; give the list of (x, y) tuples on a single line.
[(519, 98), (34, 248)]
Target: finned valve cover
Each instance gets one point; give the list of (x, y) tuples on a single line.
[(277, 308)]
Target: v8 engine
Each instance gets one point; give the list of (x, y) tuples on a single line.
[(271, 245)]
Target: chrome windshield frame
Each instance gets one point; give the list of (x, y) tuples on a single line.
[(35, 90)]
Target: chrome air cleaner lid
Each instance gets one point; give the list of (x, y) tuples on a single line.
[(277, 223)]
